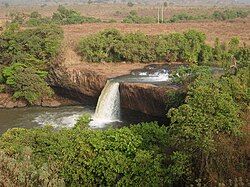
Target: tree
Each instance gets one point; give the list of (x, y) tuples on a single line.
[(130, 4), (166, 4), (203, 127)]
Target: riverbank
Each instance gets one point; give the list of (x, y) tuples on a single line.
[(8, 102)]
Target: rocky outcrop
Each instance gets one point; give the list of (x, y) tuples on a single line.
[(6, 101), (147, 98), (79, 84), (85, 86)]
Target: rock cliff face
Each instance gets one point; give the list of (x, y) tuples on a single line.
[(78, 84), (146, 98), (85, 86)]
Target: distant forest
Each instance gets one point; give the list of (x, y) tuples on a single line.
[(173, 2)]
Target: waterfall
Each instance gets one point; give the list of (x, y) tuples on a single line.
[(108, 106)]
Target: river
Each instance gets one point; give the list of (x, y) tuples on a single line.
[(39, 116)]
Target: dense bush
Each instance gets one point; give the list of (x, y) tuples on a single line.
[(25, 58), (229, 14), (180, 17), (207, 128), (204, 141), (217, 15), (189, 47), (133, 17), (67, 16), (20, 171), (26, 82), (62, 16), (102, 46), (94, 157)]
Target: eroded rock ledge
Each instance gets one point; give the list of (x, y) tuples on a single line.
[(146, 98), (6, 101), (85, 86)]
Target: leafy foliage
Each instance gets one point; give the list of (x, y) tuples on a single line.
[(20, 171), (86, 157), (217, 15), (26, 82), (133, 17), (204, 141), (67, 16), (189, 47), (229, 14), (25, 58), (209, 124)]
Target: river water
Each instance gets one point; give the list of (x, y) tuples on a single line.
[(39, 116), (60, 117), (67, 116)]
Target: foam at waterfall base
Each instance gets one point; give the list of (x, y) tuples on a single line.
[(101, 123)]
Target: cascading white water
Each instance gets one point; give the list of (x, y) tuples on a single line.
[(108, 106)]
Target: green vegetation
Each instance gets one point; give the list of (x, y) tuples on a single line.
[(63, 16), (134, 18), (91, 157), (25, 58), (189, 47), (186, 17), (205, 141), (229, 14), (217, 15), (67, 16)]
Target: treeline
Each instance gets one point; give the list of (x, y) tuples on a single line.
[(62, 16), (205, 144), (133, 17), (227, 14), (217, 16), (187, 47), (25, 58)]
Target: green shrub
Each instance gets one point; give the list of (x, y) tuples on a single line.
[(229, 14), (134, 18), (26, 82), (137, 47), (208, 125), (42, 43), (101, 46), (68, 16), (2, 88), (180, 17), (25, 58), (189, 47), (35, 14), (95, 157), (217, 15), (20, 171)]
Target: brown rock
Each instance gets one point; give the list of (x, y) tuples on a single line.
[(146, 98), (11, 104), (50, 103), (22, 103), (78, 83), (87, 82)]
